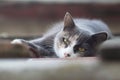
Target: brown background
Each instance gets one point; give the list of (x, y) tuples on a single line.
[(33, 18)]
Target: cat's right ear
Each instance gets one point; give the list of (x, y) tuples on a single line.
[(100, 37), (68, 21)]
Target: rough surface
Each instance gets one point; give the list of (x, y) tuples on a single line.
[(48, 69), (110, 49), (59, 69)]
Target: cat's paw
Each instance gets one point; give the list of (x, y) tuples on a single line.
[(17, 41)]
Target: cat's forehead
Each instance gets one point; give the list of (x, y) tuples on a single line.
[(73, 37), (71, 33), (78, 36)]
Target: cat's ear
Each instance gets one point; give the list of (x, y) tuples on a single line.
[(68, 21), (99, 37)]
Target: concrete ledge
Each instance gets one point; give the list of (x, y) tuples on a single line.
[(59, 69), (48, 69)]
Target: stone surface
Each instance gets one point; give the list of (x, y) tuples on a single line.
[(48, 69), (110, 49)]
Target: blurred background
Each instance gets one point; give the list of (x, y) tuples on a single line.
[(31, 18), (28, 18)]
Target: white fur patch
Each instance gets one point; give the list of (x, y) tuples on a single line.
[(61, 52), (16, 41)]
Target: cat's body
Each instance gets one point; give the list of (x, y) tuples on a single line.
[(70, 38)]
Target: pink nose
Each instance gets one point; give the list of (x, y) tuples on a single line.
[(67, 54)]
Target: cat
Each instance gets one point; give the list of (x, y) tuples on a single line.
[(71, 38)]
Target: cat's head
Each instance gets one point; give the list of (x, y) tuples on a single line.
[(73, 42)]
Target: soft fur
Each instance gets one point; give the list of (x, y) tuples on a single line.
[(74, 37)]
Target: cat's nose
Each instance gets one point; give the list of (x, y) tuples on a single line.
[(67, 54)]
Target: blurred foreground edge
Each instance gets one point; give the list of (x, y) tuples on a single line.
[(110, 50)]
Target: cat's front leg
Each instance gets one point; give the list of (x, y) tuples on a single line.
[(29, 46), (37, 50)]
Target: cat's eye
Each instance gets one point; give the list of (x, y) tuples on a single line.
[(66, 42), (82, 49), (64, 39)]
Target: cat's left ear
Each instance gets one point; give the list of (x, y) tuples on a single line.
[(99, 37), (68, 21)]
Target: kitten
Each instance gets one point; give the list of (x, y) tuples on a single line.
[(71, 38)]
